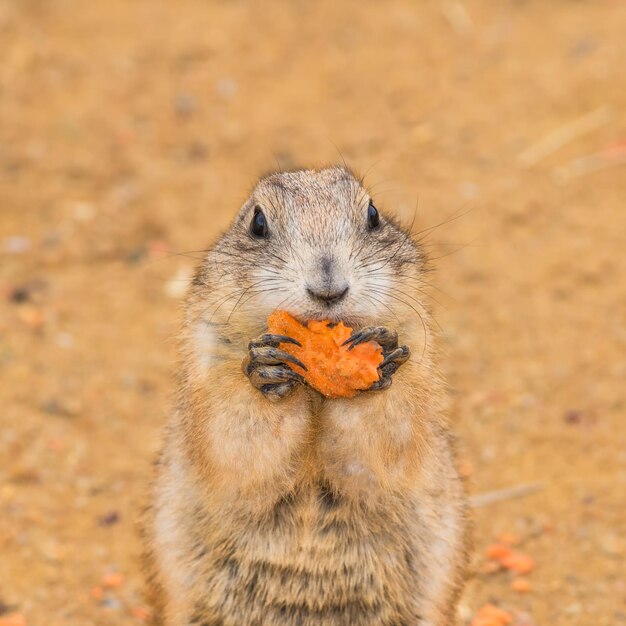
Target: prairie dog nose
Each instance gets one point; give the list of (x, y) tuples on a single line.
[(327, 286), (327, 266), (329, 296)]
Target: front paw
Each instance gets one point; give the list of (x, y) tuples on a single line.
[(266, 367), (394, 355)]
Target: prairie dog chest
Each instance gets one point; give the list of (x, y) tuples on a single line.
[(314, 555)]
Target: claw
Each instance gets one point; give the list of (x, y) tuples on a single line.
[(266, 367), (354, 339), (272, 340), (387, 339), (389, 370), (275, 393), (381, 384), (285, 356), (399, 356), (393, 355), (273, 374), (273, 356), (285, 339)]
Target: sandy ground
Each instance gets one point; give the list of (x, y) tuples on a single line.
[(130, 131)]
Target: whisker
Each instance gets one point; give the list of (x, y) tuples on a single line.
[(387, 289), (260, 282), (411, 282), (223, 301), (455, 216), (441, 291), (424, 326), (373, 299)]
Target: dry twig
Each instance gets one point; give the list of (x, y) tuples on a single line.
[(458, 17), (611, 157), (498, 495), (563, 135)]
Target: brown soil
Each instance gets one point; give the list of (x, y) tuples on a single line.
[(132, 130)]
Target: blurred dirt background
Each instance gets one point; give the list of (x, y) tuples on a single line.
[(132, 131)]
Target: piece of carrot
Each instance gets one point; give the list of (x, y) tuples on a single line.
[(490, 615), (12, 619), (142, 613), (113, 580), (97, 593), (332, 368), (518, 562), (521, 585), (498, 551)]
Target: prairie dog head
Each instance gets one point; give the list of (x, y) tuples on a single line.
[(313, 243)]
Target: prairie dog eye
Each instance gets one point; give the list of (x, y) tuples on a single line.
[(258, 227), (373, 218)]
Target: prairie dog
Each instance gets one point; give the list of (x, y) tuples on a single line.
[(274, 506)]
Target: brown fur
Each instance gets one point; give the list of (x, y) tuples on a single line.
[(306, 511)]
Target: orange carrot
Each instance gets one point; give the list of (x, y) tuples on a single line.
[(518, 562), (490, 615), (13, 619), (97, 593), (521, 585), (332, 369), (498, 551), (113, 580), (142, 613)]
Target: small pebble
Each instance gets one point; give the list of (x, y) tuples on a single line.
[(83, 211), (573, 416), (26, 292), (4, 608), (184, 105), (468, 190), (68, 408), (24, 476), (612, 545), (111, 603), (19, 294), (573, 609), (197, 151), (108, 519), (422, 134), (16, 244), (583, 47), (64, 340), (52, 551), (523, 619), (136, 255), (226, 87)]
